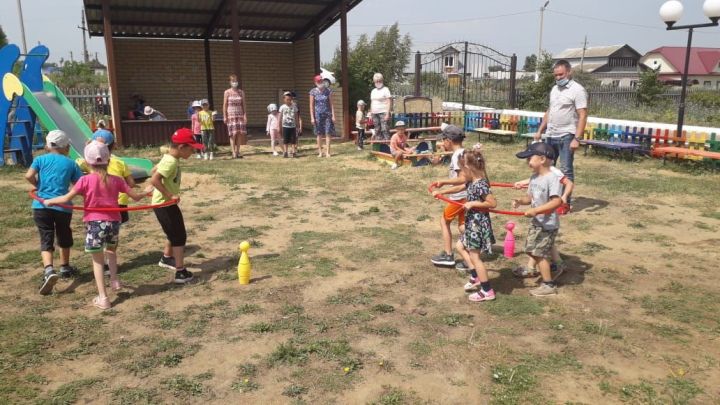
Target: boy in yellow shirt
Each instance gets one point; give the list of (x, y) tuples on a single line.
[(207, 126)]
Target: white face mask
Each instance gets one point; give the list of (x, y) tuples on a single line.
[(379, 85), (234, 85), (320, 85)]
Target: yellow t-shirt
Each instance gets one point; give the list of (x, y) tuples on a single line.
[(169, 169), (206, 120), (116, 167)]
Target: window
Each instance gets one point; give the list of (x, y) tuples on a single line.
[(449, 61), (633, 83), (616, 83), (707, 84)]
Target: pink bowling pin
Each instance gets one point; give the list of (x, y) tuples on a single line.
[(509, 240)]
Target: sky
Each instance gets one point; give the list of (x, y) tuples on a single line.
[(509, 26)]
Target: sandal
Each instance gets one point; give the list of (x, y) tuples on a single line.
[(524, 272), (481, 296), (102, 303), (115, 285)]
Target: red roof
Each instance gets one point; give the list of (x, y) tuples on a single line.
[(702, 60)]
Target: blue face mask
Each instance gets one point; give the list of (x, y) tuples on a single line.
[(562, 82)]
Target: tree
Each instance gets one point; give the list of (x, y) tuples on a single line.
[(78, 75), (387, 52), (530, 63), (585, 78), (535, 95), (3, 38), (649, 87)]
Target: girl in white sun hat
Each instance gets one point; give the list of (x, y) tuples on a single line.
[(272, 129), (360, 123)]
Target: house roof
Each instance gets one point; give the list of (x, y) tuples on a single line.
[(591, 52), (702, 60), (259, 20)]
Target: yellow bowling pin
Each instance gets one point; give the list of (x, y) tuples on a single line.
[(244, 267)]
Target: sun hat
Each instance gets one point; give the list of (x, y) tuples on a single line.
[(57, 139), (361, 102), (272, 107), (539, 149), (184, 136), (148, 110), (96, 153), (196, 103), (400, 124), (204, 101)]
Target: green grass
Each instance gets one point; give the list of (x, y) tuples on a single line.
[(515, 306), (142, 356), (695, 307), (240, 233), (68, 393), (22, 258), (135, 396), (183, 387)]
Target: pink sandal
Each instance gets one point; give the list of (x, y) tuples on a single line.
[(102, 303), (481, 296), (115, 285)]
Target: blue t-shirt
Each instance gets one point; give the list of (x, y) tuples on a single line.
[(55, 173), (106, 135)]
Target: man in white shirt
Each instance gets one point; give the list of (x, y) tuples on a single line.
[(565, 118), (380, 105)]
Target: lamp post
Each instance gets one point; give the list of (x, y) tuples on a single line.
[(671, 12), (537, 59)]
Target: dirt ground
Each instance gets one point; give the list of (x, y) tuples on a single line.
[(345, 306)]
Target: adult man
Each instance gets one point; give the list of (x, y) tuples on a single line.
[(565, 119)]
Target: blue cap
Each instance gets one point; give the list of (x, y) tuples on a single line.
[(105, 135)]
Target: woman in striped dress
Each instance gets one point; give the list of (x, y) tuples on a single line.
[(235, 116)]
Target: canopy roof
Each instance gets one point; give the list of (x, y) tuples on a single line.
[(258, 20)]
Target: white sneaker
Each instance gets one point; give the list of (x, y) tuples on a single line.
[(320, 154), (211, 155), (394, 166), (205, 156), (275, 153), (198, 156)]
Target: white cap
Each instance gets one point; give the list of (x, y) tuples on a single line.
[(272, 107), (57, 139), (361, 102), (400, 124), (196, 103), (203, 102)]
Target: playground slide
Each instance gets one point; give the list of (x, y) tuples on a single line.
[(55, 112)]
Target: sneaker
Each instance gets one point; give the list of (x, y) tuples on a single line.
[(198, 156), (167, 262), (394, 166), (67, 271), (275, 153), (443, 259), (472, 284), (49, 280), (481, 296), (524, 272), (556, 270), (285, 155), (543, 290), (212, 155), (320, 154), (359, 148), (102, 303), (183, 276), (462, 267)]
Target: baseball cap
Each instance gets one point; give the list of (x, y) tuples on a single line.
[(104, 135), (204, 101), (537, 148), (184, 136), (196, 103), (57, 139), (453, 133), (399, 124), (96, 153)]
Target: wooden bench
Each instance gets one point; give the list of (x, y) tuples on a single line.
[(409, 131), (678, 152), (415, 159), (489, 133), (530, 137), (618, 147)]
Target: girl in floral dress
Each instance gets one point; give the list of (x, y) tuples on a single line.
[(235, 116), (322, 114)]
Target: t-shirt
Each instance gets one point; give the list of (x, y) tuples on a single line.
[(273, 124), (169, 169), (398, 142), (99, 195), (206, 120), (116, 167), (288, 114), (55, 173), (359, 120), (195, 123), (453, 173), (540, 190), (380, 100), (564, 103)]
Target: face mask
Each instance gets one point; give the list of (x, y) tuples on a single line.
[(234, 85), (562, 82), (378, 85), (320, 85)]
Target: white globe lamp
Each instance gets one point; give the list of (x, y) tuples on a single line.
[(671, 12), (711, 8)]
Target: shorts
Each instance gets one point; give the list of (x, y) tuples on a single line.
[(172, 223), (539, 241), (124, 215), (453, 211), (289, 135), (52, 223), (101, 235)]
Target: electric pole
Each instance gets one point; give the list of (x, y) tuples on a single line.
[(22, 26), (539, 54), (582, 59), (86, 56)]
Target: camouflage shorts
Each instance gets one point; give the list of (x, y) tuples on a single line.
[(539, 242)]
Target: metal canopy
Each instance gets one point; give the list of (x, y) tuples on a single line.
[(258, 20)]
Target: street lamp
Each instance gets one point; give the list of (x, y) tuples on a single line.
[(537, 59), (671, 12)]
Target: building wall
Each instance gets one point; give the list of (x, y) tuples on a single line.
[(171, 73)]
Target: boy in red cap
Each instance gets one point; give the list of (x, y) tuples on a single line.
[(166, 180)]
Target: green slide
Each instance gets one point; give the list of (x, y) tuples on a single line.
[(55, 112)]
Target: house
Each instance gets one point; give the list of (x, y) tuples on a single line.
[(97, 67), (615, 65), (704, 67)]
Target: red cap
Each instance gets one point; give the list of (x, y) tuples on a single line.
[(318, 79), (184, 136)]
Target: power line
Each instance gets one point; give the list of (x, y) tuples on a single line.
[(584, 17), (447, 21)]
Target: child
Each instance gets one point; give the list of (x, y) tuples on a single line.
[(544, 193), (195, 124), (360, 124), (398, 145), (556, 266), (166, 180), (273, 127), (478, 236), (290, 117), (208, 129), (298, 133), (51, 174), (452, 141), (100, 190)]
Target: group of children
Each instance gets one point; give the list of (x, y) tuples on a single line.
[(105, 189), (284, 124), (547, 190), (203, 128)]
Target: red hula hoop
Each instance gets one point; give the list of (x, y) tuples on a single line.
[(105, 209), (501, 212)]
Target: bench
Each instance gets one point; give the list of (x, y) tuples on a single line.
[(509, 135), (415, 159), (409, 131), (678, 151), (530, 137), (618, 147)]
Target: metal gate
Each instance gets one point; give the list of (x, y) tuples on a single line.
[(467, 73)]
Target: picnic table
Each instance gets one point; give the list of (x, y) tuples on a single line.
[(489, 133), (617, 147)]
